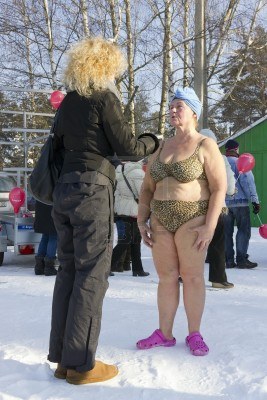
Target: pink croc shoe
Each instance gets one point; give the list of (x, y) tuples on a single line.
[(156, 339), (196, 344)]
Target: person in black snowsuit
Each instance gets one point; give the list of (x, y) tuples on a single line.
[(91, 128)]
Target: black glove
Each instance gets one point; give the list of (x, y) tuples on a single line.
[(256, 208)]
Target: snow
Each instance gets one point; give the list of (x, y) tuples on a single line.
[(233, 325)]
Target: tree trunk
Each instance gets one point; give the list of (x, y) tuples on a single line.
[(50, 43), (186, 43), (84, 12), (130, 58), (166, 67), (115, 24), (199, 57)]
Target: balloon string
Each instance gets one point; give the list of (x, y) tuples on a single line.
[(238, 177), (259, 219)]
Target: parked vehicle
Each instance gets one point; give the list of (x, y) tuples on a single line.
[(6, 184), (16, 229)]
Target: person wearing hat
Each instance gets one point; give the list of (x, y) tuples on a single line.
[(239, 213), (182, 196)]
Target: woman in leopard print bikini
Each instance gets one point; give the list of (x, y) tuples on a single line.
[(182, 196)]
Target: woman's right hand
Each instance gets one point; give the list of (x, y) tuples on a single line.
[(146, 233)]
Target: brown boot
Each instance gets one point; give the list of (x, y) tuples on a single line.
[(60, 372), (101, 372)]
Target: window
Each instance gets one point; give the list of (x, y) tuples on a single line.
[(6, 183)]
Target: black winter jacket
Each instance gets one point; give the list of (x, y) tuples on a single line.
[(92, 129)]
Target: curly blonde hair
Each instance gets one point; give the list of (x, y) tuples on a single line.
[(92, 64)]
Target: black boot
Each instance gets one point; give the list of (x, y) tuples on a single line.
[(117, 267), (127, 267), (127, 260), (140, 273), (39, 265), (49, 268)]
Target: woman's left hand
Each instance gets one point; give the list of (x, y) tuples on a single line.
[(146, 233), (204, 236)]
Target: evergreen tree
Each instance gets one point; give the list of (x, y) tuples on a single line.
[(12, 155), (248, 100)]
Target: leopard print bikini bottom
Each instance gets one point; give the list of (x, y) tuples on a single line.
[(174, 213)]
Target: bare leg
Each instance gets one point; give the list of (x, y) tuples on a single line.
[(191, 263), (166, 262)]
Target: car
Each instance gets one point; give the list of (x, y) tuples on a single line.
[(7, 183)]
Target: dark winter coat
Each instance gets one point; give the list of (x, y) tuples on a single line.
[(92, 129), (43, 222)]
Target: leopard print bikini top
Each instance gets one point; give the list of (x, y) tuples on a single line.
[(184, 171)]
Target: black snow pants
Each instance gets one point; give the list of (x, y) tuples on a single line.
[(216, 254), (130, 235), (83, 217)]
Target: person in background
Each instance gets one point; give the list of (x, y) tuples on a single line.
[(90, 129), (239, 213), (216, 251), (129, 178), (46, 254), (182, 196), (127, 260), (124, 263)]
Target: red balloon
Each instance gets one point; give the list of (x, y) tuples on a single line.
[(56, 99), (17, 198), (245, 163), (263, 231)]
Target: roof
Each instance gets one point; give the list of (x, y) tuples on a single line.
[(259, 121)]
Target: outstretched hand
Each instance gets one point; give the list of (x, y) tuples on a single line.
[(204, 237), (146, 233)]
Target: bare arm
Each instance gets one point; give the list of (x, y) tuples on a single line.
[(146, 194), (216, 174)]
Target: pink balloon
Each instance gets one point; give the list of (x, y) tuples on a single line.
[(245, 163), (263, 231), (56, 99), (17, 198)]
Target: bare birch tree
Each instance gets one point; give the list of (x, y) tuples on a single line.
[(159, 43), (130, 58), (50, 40), (84, 14), (115, 21), (166, 67), (186, 5)]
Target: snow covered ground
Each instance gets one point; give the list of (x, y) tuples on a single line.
[(234, 326)]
